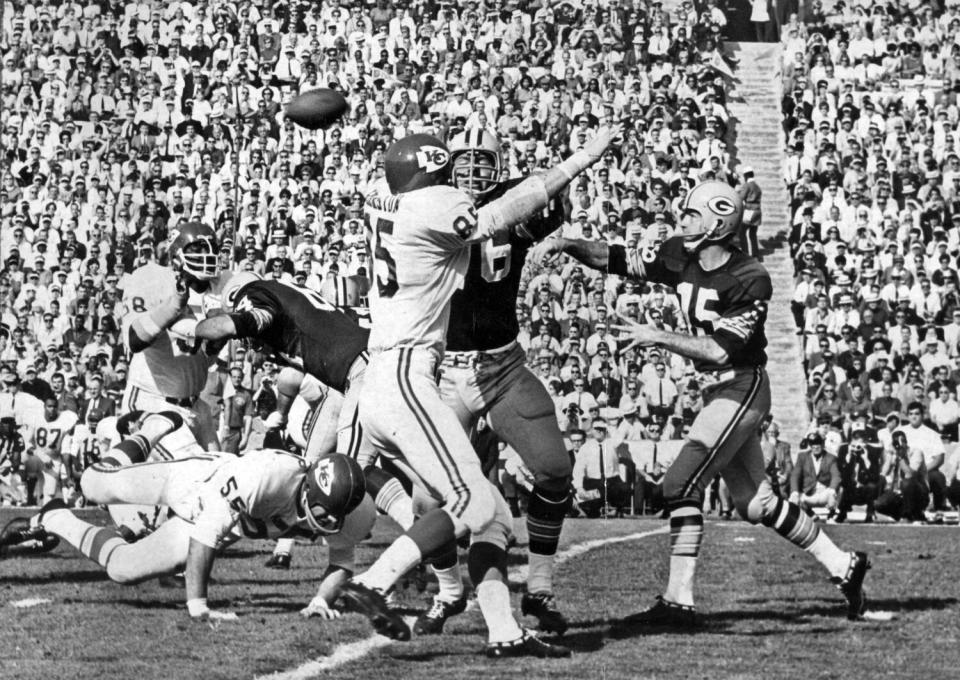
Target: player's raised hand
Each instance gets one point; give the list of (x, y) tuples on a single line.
[(637, 334), (605, 136), (318, 608), (182, 292)]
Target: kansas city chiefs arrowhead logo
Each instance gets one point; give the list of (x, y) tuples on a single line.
[(432, 158)]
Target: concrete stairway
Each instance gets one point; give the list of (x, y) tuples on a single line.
[(757, 139)]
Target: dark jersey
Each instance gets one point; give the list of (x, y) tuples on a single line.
[(483, 314), (729, 303), (303, 329)]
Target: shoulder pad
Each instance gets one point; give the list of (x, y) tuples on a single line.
[(672, 254), (151, 283)]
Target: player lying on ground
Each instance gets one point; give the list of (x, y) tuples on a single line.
[(216, 499), (723, 295), (312, 336), (422, 234)]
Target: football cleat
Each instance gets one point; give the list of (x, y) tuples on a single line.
[(542, 606), (851, 585), (371, 603), (22, 529), (527, 644), (278, 561), (431, 622), (664, 614)]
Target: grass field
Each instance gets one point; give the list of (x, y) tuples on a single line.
[(768, 612)]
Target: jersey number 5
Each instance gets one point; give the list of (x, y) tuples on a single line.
[(697, 305), (385, 266)]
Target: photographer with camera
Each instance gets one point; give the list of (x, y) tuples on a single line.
[(905, 473), (860, 467)]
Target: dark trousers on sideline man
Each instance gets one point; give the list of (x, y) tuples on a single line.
[(908, 503), (617, 495)]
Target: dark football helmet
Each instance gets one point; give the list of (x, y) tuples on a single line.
[(331, 489), (416, 162), (475, 155), (194, 251)]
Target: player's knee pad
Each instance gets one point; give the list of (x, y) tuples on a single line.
[(550, 502), (497, 531), (762, 507)]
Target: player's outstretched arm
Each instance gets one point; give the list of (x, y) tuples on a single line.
[(199, 565), (534, 193), (594, 254), (219, 327), (697, 347)]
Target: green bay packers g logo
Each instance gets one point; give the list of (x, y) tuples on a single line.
[(432, 158), (721, 205)]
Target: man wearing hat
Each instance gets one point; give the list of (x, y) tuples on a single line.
[(815, 479), (596, 474)]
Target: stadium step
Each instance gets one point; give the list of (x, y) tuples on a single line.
[(756, 139)]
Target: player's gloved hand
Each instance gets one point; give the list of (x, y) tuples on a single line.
[(275, 421), (319, 608)]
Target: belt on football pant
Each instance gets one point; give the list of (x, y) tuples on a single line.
[(476, 357), (185, 402)]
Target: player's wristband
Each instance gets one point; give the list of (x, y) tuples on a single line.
[(197, 607), (576, 164)]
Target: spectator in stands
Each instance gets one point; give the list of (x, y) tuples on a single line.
[(596, 474)]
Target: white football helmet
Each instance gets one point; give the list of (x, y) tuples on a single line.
[(477, 166), (719, 209), (228, 296)]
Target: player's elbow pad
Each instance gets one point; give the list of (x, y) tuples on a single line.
[(518, 204), (245, 324)]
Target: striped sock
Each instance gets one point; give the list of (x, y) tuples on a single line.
[(393, 501), (128, 452), (798, 527), (545, 515), (686, 534), (96, 543), (788, 520)]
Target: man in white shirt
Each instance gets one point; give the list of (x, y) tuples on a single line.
[(596, 474), (926, 439)]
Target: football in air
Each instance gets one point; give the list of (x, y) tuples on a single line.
[(316, 109)]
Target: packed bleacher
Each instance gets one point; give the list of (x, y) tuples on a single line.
[(121, 121), (870, 115)]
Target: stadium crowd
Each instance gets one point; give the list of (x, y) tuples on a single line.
[(870, 115), (120, 121)]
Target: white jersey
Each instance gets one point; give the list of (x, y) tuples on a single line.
[(85, 446), (421, 253), (257, 494), (172, 366), (51, 439)]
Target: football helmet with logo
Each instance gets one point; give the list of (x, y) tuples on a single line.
[(719, 210), (228, 296), (194, 250), (477, 167), (331, 489), (416, 162)]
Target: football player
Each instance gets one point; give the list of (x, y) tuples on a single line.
[(216, 499), (484, 374), (49, 441), (84, 446), (723, 295), (163, 304), (422, 233), (317, 339)]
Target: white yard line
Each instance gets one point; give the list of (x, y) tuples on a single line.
[(29, 602), (352, 651)]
